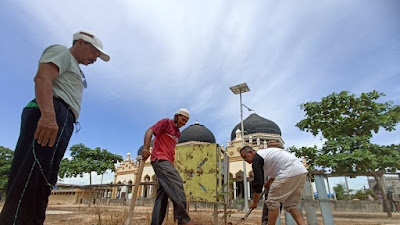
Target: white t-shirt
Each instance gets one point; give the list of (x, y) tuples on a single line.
[(68, 86), (279, 163)]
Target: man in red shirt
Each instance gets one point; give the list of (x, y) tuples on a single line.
[(170, 184)]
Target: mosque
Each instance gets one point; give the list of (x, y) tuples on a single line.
[(257, 132)]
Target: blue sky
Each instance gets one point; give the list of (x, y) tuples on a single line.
[(171, 54)]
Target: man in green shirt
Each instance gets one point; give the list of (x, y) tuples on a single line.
[(46, 128)]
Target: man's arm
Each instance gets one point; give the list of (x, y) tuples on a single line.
[(267, 185), (47, 128), (257, 196), (146, 146), (258, 181)]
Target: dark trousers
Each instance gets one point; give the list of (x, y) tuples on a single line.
[(35, 168), (264, 218), (170, 185)]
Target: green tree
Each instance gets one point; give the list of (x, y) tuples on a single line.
[(6, 157), (360, 195), (347, 122), (363, 194), (86, 160), (340, 192), (369, 191)]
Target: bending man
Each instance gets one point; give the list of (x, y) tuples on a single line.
[(287, 178)]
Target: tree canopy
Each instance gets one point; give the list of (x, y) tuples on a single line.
[(86, 160), (345, 114), (6, 157), (363, 194), (341, 192), (347, 122)]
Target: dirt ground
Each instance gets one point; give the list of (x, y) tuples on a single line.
[(115, 215)]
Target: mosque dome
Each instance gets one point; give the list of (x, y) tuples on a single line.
[(197, 132), (256, 124)]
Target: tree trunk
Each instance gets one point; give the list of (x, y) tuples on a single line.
[(90, 188), (385, 200)]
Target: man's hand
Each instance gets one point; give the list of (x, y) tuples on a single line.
[(47, 128), (253, 205), (145, 154), (46, 131)]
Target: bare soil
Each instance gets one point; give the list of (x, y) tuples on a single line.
[(115, 215)]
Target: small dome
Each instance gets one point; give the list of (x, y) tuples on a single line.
[(256, 124), (197, 132)]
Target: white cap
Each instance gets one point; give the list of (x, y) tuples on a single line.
[(183, 112), (92, 39)]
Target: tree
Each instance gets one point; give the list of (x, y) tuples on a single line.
[(363, 194), (6, 157), (340, 192), (86, 160), (360, 195), (347, 122), (370, 192)]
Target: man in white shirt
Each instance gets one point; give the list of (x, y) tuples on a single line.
[(287, 178)]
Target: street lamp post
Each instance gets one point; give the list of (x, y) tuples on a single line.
[(250, 110), (239, 89)]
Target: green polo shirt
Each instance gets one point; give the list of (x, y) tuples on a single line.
[(68, 86)]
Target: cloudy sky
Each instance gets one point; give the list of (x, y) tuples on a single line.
[(171, 54)]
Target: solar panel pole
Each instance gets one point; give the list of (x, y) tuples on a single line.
[(239, 89)]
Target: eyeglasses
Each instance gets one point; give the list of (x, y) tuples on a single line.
[(84, 79)]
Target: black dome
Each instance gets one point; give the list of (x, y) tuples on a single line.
[(256, 124), (196, 132)]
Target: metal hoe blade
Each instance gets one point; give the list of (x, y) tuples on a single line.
[(250, 210)]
